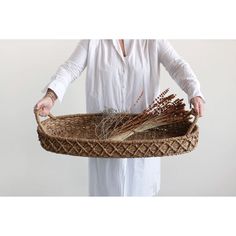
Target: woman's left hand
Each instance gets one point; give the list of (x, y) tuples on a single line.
[(198, 105)]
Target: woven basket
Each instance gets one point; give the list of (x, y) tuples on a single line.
[(75, 135)]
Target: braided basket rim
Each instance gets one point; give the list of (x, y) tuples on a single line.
[(195, 131)]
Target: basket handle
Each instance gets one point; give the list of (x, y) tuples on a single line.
[(196, 116), (36, 113)]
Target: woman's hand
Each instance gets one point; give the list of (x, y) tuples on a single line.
[(198, 105), (46, 103)]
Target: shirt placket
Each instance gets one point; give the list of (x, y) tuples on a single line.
[(123, 85)]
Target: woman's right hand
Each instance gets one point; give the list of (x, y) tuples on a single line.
[(44, 106), (46, 103)]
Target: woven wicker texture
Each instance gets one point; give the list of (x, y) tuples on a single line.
[(75, 135)]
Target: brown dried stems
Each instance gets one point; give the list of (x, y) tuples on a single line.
[(165, 109)]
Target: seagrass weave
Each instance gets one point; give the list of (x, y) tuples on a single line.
[(75, 135)]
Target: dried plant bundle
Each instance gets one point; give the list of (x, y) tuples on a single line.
[(165, 109)]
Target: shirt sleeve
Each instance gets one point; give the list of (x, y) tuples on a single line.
[(69, 71), (179, 70)]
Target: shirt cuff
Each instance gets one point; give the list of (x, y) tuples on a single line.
[(57, 87), (196, 94)]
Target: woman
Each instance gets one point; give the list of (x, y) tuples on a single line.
[(118, 71)]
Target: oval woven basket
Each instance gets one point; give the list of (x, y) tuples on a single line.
[(75, 135)]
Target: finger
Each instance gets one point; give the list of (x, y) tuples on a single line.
[(38, 105), (36, 108), (200, 110), (196, 108), (42, 111)]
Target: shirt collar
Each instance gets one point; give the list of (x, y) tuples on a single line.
[(128, 46)]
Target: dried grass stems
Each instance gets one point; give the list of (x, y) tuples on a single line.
[(165, 109), (109, 123)]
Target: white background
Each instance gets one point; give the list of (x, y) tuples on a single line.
[(184, 19), (27, 169)]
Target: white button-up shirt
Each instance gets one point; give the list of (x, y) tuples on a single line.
[(114, 81)]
